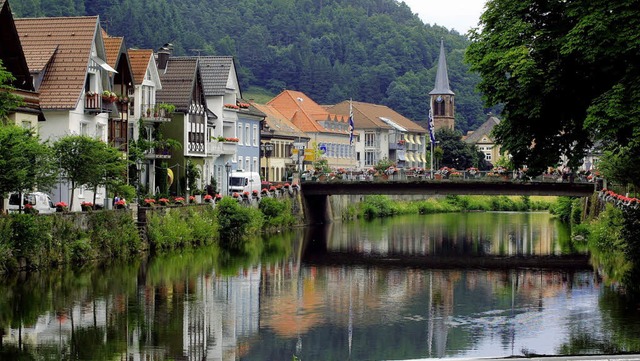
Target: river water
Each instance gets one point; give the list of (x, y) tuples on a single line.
[(411, 287)]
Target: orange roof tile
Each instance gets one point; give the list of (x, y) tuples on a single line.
[(65, 45), (277, 122), (303, 112), (140, 59), (112, 47), (367, 116)]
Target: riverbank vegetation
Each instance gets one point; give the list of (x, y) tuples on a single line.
[(611, 231), (379, 206), (31, 241)]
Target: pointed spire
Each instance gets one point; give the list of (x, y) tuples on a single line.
[(442, 77)]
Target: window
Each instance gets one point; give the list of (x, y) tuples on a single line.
[(254, 168), (240, 133), (239, 163), (370, 140), (247, 136), (83, 128), (254, 135), (100, 131), (247, 164), (487, 156), (369, 158), (26, 124)]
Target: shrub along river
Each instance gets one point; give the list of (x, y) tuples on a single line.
[(409, 287)]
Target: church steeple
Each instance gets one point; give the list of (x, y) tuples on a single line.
[(442, 97)]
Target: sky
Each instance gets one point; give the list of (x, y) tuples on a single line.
[(460, 15)]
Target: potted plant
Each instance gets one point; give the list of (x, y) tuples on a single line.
[(163, 201), (61, 207), (149, 202), (121, 204), (86, 206), (178, 201), (208, 198)]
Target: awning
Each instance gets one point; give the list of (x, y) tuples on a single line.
[(103, 64), (410, 138), (423, 158), (393, 124), (410, 157), (418, 136)]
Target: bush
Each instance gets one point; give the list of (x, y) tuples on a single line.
[(277, 213), (377, 206), (236, 223)]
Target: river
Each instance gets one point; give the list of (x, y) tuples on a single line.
[(410, 287)]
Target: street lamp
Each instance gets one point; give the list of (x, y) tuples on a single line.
[(227, 167), (267, 148), (139, 169)]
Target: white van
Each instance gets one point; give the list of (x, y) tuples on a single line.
[(241, 181), (40, 201)]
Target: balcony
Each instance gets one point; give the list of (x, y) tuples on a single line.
[(158, 153), (93, 103), (155, 113)]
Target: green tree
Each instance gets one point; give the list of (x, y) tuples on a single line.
[(26, 163), (567, 73), (8, 100), (456, 153), (87, 161), (108, 168)]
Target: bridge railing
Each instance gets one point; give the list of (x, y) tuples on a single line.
[(467, 176)]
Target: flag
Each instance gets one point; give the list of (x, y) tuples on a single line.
[(351, 125), (432, 130)]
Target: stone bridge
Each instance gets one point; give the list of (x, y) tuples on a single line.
[(315, 195)]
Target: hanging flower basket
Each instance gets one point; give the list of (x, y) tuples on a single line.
[(208, 198)]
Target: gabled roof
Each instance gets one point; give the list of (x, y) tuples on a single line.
[(278, 123), (62, 46), (216, 71), (376, 116), (11, 52), (178, 82), (113, 45), (442, 76), (304, 113), (140, 61), (485, 129)]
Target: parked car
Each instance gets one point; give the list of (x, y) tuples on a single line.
[(38, 200)]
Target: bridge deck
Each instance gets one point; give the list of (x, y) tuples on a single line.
[(448, 187)]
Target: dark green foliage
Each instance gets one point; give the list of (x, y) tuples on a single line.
[(563, 209), (567, 73), (277, 213), (458, 154), (236, 223), (374, 51), (377, 206), (181, 227), (109, 243)]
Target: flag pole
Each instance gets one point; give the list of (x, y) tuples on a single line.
[(431, 160)]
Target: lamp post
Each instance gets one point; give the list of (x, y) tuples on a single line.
[(267, 148), (139, 169), (227, 167)]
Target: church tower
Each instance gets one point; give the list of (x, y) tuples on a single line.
[(442, 98)]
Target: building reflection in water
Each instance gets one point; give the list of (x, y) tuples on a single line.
[(277, 309)]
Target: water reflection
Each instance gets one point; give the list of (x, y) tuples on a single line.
[(272, 304)]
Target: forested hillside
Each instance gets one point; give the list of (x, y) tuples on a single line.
[(369, 50)]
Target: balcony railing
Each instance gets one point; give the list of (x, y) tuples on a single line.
[(93, 103), (155, 113), (158, 153)]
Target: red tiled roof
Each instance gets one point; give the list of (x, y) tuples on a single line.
[(303, 112), (140, 59), (63, 46), (367, 116), (112, 46), (277, 122)]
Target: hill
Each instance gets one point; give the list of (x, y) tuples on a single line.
[(369, 50)]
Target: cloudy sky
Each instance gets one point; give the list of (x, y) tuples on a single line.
[(460, 15)]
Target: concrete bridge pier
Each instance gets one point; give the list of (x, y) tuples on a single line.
[(317, 208)]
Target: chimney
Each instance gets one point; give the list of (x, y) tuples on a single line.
[(163, 56)]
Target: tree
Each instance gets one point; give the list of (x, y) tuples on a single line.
[(85, 161), (26, 163), (109, 167), (456, 153), (8, 100), (567, 73)]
